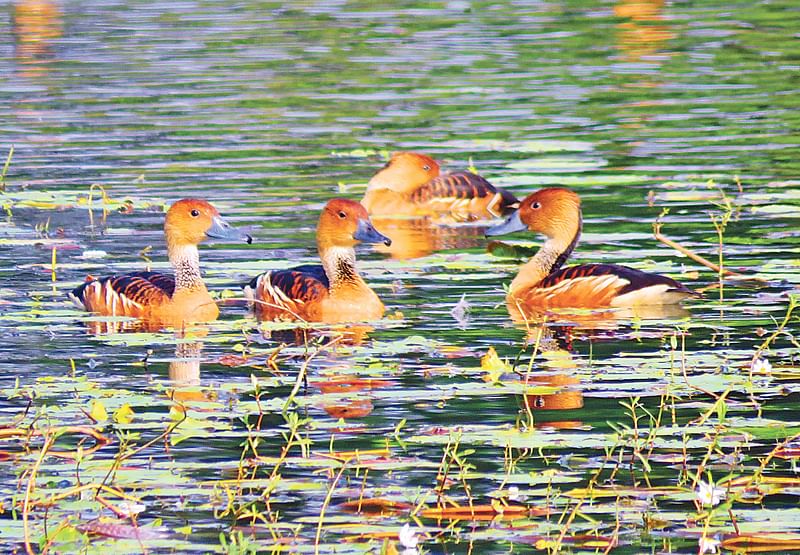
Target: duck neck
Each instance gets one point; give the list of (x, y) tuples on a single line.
[(186, 261), (340, 267), (385, 195), (553, 254)]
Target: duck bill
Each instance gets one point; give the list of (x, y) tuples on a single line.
[(366, 233), (512, 224), (220, 229)]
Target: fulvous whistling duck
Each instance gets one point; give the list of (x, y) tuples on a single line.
[(162, 300), (410, 185), (333, 292), (542, 283)]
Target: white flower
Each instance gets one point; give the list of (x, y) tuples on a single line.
[(408, 538), (761, 366), (709, 494), (708, 545), (513, 494)]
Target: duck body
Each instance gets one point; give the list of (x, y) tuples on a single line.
[(600, 286), (411, 185), (149, 296), (162, 300), (333, 292), (542, 283)]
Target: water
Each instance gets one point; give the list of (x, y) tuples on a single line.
[(268, 111)]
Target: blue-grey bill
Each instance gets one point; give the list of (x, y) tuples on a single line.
[(220, 229), (512, 224), (366, 233)]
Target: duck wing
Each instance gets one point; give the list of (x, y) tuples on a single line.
[(597, 285), (464, 192), (287, 292), (124, 295)]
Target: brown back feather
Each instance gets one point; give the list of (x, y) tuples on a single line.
[(460, 185), (121, 294)]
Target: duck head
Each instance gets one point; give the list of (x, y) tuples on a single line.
[(345, 223), (404, 172), (553, 212), (191, 221)]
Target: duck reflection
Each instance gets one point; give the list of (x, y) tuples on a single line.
[(643, 33), (587, 321), (97, 324), (184, 369), (109, 325), (353, 403), (184, 376), (564, 399), (418, 237), (351, 335), (36, 23), (554, 346), (554, 333)]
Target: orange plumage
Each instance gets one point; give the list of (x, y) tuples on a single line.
[(162, 300), (542, 283), (411, 185), (333, 292)]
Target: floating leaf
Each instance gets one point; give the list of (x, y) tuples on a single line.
[(124, 414), (508, 250), (97, 411), (785, 210), (494, 366)]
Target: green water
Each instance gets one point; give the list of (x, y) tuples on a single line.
[(269, 110)]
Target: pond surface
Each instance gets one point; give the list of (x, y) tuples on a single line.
[(267, 109)]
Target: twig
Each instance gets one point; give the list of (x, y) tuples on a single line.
[(270, 305), (84, 487), (123, 456), (301, 375), (5, 168), (48, 442), (90, 201), (102, 440), (766, 343), (693, 255), (325, 505)]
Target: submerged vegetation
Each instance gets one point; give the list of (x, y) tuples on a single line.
[(443, 427)]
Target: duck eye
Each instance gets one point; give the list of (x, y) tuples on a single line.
[(342, 214), (536, 205), (195, 212), (426, 167)]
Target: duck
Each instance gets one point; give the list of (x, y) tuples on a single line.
[(542, 283), (163, 300), (410, 184), (333, 292)]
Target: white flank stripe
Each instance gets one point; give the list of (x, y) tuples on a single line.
[(490, 208)]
